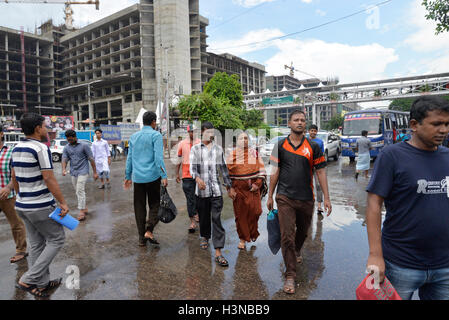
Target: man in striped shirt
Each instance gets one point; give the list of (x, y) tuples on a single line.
[(8, 200), (36, 186)]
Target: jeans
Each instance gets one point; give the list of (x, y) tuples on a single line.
[(432, 284)]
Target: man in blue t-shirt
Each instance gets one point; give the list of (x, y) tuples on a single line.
[(313, 130), (413, 249)]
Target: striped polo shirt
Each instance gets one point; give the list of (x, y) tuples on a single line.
[(29, 158)]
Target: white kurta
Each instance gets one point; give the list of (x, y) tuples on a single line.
[(100, 151)]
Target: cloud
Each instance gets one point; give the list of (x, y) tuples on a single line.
[(85, 14), (250, 3), (236, 46), (307, 1), (320, 12), (324, 59), (423, 39)]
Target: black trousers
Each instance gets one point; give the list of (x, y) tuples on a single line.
[(188, 186), (143, 193), (209, 210)]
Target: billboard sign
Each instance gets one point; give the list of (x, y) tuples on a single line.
[(59, 123)]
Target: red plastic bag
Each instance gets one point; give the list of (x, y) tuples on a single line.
[(367, 291)]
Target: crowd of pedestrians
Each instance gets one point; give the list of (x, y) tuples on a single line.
[(409, 178)]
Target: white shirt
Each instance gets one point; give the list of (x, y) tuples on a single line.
[(100, 151)]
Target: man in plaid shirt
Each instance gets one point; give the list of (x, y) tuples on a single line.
[(206, 159), (8, 201)]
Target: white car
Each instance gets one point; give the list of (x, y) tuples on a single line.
[(57, 148), (332, 144), (266, 149)]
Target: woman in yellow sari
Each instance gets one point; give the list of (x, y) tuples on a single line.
[(248, 176)]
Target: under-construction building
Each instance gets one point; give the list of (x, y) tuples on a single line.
[(143, 54), (26, 72)]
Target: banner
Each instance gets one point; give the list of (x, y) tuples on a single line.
[(59, 123), (128, 129), (288, 99), (111, 133)]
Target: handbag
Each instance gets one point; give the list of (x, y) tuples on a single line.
[(167, 209), (367, 291)]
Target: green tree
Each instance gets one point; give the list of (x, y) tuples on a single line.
[(401, 104), (221, 103), (253, 119), (223, 85), (335, 122), (437, 11), (405, 104), (205, 107)]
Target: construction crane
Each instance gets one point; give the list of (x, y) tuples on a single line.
[(68, 9), (292, 69)]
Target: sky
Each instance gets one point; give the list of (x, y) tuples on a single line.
[(391, 40)]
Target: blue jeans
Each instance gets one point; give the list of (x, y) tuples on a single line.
[(433, 284)]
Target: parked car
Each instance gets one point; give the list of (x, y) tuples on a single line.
[(57, 148)]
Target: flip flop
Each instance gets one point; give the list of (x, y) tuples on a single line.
[(22, 255), (52, 284), (37, 293)]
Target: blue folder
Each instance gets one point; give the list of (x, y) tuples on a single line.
[(68, 221)]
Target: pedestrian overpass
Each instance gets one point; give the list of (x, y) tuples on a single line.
[(379, 90)]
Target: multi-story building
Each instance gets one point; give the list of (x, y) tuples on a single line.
[(27, 80), (251, 74), (113, 67)]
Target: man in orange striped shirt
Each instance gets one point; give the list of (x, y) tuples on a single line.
[(292, 162)]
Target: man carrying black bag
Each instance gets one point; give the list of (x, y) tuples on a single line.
[(145, 167)]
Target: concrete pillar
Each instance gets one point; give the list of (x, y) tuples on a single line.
[(109, 112)]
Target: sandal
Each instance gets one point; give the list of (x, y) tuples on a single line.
[(221, 261), (34, 290), (241, 247), (289, 286), (82, 217), (152, 240), (18, 257), (53, 284), (204, 244)]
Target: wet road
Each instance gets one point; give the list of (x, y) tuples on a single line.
[(112, 266)]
